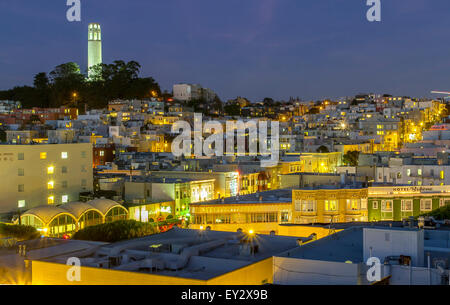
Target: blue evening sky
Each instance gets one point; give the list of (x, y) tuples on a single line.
[(252, 48)]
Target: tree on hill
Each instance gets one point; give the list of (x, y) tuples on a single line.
[(351, 158), (67, 86)]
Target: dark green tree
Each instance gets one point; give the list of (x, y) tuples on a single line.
[(323, 149), (351, 158)]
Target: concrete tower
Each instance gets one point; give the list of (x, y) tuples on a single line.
[(94, 45)]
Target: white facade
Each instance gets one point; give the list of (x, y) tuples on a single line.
[(187, 92), (414, 174), (382, 243)]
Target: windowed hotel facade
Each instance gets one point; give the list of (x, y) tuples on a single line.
[(48, 174), (400, 202)]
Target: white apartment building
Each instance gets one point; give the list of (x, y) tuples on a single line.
[(36, 175), (188, 92), (412, 173)]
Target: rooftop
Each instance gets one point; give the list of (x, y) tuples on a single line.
[(274, 196), (182, 253)]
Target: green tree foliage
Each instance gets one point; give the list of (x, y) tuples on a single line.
[(323, 149), (67, 86), (351, 158), (441, 213), (232, 109), (2, 136), (20, 232), (116, 231)]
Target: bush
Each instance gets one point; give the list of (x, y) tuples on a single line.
[(20, 232), (441, 213), (116, 231)]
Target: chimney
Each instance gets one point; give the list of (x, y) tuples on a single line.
[(343, 179)]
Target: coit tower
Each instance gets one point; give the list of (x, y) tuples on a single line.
[(94, 45)]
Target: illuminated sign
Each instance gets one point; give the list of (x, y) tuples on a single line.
[(166, 210), (408, 190)]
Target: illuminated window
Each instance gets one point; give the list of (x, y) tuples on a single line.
[(65, 199), (426, 205), (407, 205), (64, 155), (50, 170), (43, 155), (308, 206), (51, 200), (386, 206), (21, 203), (442, 175), (419, 172), (408, 172), (352, 204), (375, 205), (51, 185), (330, 205)]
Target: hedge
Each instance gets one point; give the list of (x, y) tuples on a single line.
[(20, 232), (441, 213), (116, 231)]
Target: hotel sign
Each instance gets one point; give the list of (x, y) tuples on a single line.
[(396, 190)]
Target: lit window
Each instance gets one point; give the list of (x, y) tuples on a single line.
[(65, 199), (426, 205), (64, 155), (21, 203), (50, 170), (102, 153), (50, 185), (352, 204), (43, 155), (407, 205), (386, 206), (51, 200), (330, 205), (419, 172), (442, 175), (375, 205)]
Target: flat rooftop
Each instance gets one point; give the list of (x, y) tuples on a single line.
[(274, 196), (347, 245), (192, 254)]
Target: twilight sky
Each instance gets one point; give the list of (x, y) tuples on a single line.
[(252, 48)]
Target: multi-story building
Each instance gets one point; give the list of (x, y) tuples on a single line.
[(325, 205), (401, 202), (260, 212), (415, 171), (35, 175), (182, 192), (188, 92)]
